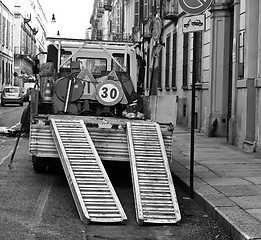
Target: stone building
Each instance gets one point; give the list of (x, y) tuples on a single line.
[(30, 37), (224, 61), (22, 37), (6, 42)]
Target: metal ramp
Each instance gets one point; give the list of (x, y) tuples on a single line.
[(93, 193), (154, 192)]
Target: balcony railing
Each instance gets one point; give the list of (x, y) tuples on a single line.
[(107, 5), (23, 51), (170, 10), (122, 37)]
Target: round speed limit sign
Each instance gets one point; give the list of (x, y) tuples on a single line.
[(109, 93)]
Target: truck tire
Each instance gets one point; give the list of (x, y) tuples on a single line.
[(38, 166)]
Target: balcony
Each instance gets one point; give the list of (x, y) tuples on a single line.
[(24, 53), (107, 5), (99, 34), (170, 10), (122, 37), (101, 10)]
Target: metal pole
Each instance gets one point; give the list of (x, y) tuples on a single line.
[(59, 58), (192, 136)]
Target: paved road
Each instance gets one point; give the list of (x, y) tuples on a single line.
[(40, 206)]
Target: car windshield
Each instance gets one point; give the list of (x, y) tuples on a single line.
[(11, 90)]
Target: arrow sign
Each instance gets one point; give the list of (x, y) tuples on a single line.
[(195, 6)]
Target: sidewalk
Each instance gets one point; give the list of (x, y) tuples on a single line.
[(227, 181)]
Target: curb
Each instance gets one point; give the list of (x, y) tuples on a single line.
[(217, 214)]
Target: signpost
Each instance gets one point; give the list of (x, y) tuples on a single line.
[(193, 23)]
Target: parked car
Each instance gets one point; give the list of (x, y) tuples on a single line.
[(12, 95)]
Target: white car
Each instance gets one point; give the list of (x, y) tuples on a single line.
[(12, 95)]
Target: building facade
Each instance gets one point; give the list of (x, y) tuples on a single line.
[(224, 62), (22, 38), (6, 43), (30, 37)]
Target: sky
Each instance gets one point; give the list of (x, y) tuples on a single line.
[(72, 17)]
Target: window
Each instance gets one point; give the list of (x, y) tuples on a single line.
[(184, 110), (174, 60), (3, 31), (65, 55), (12, 35), (136, 13), (158, 6), (167, 68), (113, 21), (120, 60), (118, 18), (94, 65), (11, 90), (6, 73), (158, 71), (185, 60), (8, 35), (241, 55), (3, 72), (99, 34), (146, 9), (197, 53), (148, 68)]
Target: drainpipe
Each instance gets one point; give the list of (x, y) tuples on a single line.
[(232, 122), (122, 21)]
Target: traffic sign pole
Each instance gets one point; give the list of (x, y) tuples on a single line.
[(193, 7), (192, 136)]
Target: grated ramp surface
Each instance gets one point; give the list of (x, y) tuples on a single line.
[(154, 192), (93, 193)]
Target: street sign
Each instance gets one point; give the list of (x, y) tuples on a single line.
[(109, 93), (195, 6), (193, 23)]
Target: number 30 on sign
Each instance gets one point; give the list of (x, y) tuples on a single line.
[(109, 93)]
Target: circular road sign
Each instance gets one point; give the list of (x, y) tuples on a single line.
[(109, 93), (195, 6)]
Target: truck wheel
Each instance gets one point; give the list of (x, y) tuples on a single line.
[(38, 166)]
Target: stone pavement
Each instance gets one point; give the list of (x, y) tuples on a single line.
[(227, 181)]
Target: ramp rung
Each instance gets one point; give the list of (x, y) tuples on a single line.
[(154, 192), (94, 196)]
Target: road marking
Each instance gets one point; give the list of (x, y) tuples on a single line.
[(7, 156), (40, 205), (15, 125)]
